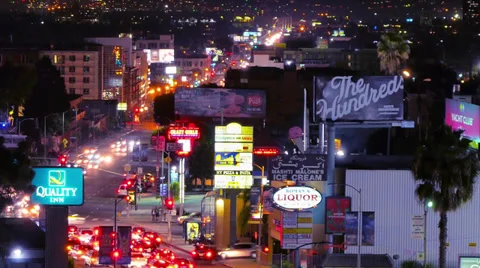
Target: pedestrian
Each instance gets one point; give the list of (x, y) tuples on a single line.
[(157, 214), (154, 212)]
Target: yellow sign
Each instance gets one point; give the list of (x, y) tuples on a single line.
[(233, 161), (168, 159), (233, 181), (338, 144), (236, 147), (193, 230), (297, 231), (472, 244), (122, 106), (233, 129), (304, 220)]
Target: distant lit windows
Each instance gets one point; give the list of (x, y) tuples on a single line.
[(71, 80), (86, 58), (86, 69), (71, 90), (55, 59), (86, 91), (71, 58), (86, 80), (71, 69)]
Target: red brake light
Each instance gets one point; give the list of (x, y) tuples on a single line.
[(190, 266), (209, 254), (194, 253)]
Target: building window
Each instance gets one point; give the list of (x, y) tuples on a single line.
[(71, 90), (86, 80), (71, 80), (71, 58), (62, 59), (86, 58), (61, 69), (86, 91), (86, 69), (55, 59), (71, 69), (201, 64)]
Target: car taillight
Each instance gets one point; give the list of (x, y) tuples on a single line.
[(209, 254), (194, 253), (190, 266), (172, 257), (140, 249), (158, 239), (118, 191)]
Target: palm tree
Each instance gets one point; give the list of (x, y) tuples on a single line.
[(392, 51), (445, 168)]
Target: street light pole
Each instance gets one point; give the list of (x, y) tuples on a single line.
[(359, 221), (260, 210), (426, 205)]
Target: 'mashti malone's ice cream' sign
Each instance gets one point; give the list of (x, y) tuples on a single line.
[(371, 98)]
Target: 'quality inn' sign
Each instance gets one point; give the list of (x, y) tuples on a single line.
[(296, 198), (58, 186)]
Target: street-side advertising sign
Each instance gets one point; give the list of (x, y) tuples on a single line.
[(296, 198), (297, 229), (302, 167), (233, 156), (124, 237), (58, 186), (370, 98), (106, 244), (220, 102), (463, 116), (181, 133), (469, 261), (368, 228), (336, 209)]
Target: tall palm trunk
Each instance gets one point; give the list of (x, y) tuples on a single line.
[(442, 225)]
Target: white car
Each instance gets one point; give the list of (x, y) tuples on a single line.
[(239, 250), (122, 190)]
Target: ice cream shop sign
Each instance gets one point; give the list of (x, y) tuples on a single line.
[(297, 198)]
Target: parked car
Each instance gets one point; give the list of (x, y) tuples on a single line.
[(239, 250)]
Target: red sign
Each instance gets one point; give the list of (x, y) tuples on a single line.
[(186, 147), (254, 100), (266, 151), (182, 133), (336, 209)]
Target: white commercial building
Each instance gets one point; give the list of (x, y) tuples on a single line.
[(81, 70), (390, 194)]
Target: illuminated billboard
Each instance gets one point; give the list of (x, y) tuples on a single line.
[(217, 102), (369, 98), (160, 55), (233, 156), (462, 115)]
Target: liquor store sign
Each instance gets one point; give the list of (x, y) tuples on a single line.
[(58, 186), (297, 198)]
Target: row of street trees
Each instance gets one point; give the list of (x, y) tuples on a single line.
[(41, 91)]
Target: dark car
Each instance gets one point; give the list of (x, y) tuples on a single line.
[(204, 252), (163, 254), (159, 263), (182, 263)]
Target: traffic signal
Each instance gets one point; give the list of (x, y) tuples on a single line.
[(116, 254), (62, 159), (169, 203), (266, 249), (136, 110)]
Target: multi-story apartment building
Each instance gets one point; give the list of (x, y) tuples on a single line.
[(191, 64), (163, 42), (81, 70)]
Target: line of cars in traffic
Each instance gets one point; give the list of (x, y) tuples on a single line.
[(147, 249)]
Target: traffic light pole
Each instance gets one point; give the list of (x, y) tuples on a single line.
[(169, 216), (117, 200)]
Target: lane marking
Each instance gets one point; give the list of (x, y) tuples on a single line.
[(111, 172)]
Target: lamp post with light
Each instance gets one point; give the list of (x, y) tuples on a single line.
[(359, 221), (260, 211), (428, 204)]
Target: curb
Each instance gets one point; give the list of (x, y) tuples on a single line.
[(177, 247)]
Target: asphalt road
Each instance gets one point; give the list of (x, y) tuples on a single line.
[(100, 193)]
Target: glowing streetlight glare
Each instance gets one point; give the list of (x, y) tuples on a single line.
[(429, 204), (406, 73), (17, 253)]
